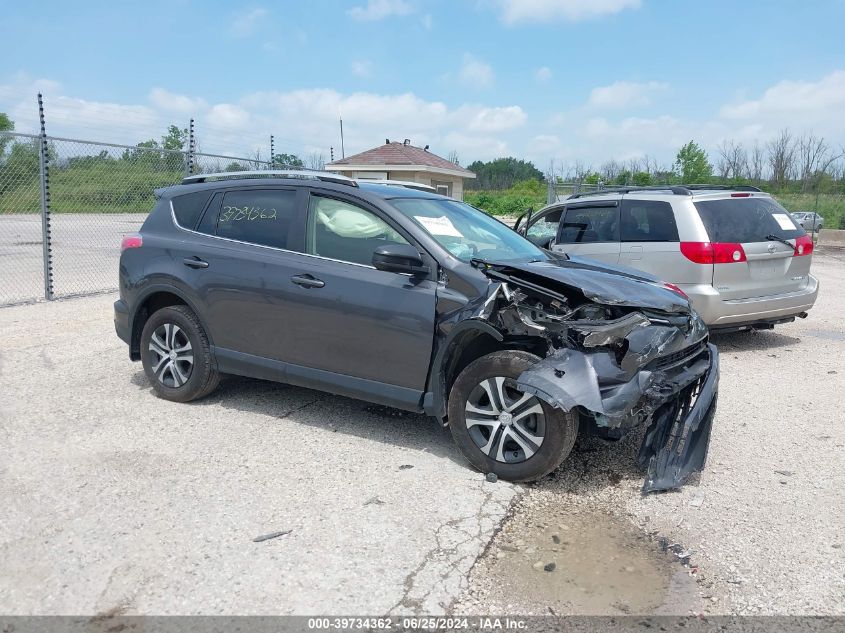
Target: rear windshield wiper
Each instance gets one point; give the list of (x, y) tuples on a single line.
[(775, 238)]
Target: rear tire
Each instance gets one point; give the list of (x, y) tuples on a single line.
[(176, 355), (502, 430)]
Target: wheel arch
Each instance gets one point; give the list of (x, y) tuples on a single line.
[(467, 341), (153, 299)]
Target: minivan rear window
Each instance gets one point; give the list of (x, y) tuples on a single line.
[(746, 220)]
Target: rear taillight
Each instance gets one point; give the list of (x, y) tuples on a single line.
[(803, 245), (713, 252), (740, 195), (131, 241)]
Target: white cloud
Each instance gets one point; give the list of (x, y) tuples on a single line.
[(797, 104), (380, 9), (625, 94), (361, 68), (476, 73), (497, 119), (172, 102), (517, 11), (245, 23), (543, 74)]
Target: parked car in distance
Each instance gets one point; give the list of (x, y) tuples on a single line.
[(735, 252), (411, 299), (808, 220)]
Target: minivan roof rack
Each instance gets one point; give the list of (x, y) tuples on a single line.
[(324, 176), (401, 183), (677, 190)]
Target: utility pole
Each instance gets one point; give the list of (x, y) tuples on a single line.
[(342, 150), (272, 153), (331, 153)]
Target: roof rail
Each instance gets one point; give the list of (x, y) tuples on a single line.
[(325, 176), (677, 190), (401, 183), (722, 187)]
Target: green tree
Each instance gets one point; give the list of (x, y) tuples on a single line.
[(691, 164), (175, 138), (502, 173), (642, 179), (287, 160), (6, 125)]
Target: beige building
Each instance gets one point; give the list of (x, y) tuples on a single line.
[(403, 161)]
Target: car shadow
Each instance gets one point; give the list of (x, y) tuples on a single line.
[(327, 411), (752, 340), (593, 465)]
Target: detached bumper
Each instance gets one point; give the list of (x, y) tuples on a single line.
[(666, 382), (676, 442)]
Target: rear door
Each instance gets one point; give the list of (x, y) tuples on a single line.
[(767, 234), (649, 237), (590, 229)]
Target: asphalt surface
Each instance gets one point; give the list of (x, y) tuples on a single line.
[(117, 502), (85, 248)]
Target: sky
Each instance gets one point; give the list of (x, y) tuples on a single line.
[(543, 80)]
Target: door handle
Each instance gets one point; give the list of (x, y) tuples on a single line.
[(194, 262), (307, 281)]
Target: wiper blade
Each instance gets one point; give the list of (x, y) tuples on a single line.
[(775, 238)]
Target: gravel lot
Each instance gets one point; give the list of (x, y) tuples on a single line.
[(117, 501)]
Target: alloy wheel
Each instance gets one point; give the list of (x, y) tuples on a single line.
[(173, 359), (505, 423)]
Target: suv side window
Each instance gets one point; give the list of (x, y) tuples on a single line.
[(187, 208), (648, 221), (257, 216), (590, 224), (344, 231)]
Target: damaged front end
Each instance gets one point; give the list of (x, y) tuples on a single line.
[(619, 357)]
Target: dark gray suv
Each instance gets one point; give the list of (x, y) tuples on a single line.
[(417, 301)]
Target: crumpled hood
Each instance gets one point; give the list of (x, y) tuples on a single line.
[(603, 283)]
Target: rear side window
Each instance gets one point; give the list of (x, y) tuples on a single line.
[(258, 216), (648, 221), (746, 220), (590, 224), (189, 207)]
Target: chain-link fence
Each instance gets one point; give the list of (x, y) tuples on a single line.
[(65, 205)]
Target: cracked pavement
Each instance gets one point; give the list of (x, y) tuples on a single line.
[(118, 502)]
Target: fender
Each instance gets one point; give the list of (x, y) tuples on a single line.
[(148, 291), (434, 401)]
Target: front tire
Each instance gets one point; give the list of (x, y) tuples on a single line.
[(176, 355), (500, 429)]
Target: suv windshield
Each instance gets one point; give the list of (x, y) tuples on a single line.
[(746, 220), (466, 232)]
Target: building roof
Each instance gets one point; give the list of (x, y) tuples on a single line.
[(397, 154)]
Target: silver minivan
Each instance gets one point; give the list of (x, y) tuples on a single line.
[(737, 253)]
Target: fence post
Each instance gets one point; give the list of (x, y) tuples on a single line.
[(44, 178), (189, 159)]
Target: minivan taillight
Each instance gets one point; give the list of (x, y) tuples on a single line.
[(131, 241), (803, 245), (713, 252)]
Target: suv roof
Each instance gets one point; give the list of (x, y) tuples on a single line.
[(677, 190)]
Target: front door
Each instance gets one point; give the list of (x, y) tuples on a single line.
[(352, 319), (590, 229)]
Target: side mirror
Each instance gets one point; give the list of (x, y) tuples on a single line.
[(541, 241), (399, 258)]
